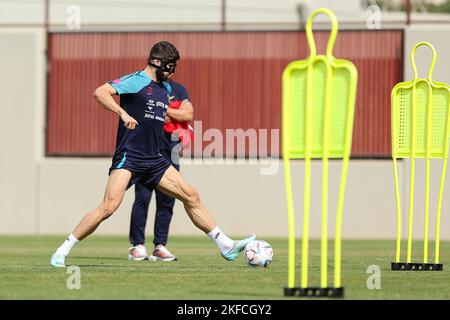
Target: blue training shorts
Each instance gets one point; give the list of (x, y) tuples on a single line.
[(148, 172)]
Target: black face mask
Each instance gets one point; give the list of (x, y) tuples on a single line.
[(161, 76), (164, 70)]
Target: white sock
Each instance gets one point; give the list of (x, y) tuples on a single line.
[(224, 243), (65, 248)]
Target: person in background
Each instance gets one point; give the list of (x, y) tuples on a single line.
[(179, 114)]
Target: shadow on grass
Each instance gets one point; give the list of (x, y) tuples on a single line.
[(100, 258), (238, 293), (99, 266)]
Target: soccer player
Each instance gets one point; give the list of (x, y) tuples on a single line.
[(180, 111), (144, 99)]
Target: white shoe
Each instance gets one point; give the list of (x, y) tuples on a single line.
[(238, 247), (162, 253), (57, 260), (137, 253)]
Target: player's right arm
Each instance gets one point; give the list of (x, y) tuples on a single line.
[(104, 95)]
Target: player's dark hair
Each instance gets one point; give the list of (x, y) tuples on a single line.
[(164, 51)]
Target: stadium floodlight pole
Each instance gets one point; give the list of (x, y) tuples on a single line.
[(46, 15), (420, 129), (301, 8), (408, 11), (223, 22)]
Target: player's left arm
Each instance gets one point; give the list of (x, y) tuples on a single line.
[(184, 113)]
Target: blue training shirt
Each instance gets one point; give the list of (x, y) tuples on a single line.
[(146, 101), (178, 91)]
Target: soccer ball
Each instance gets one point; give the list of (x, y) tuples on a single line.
[(258, 253)]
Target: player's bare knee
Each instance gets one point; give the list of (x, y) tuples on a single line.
[(192, 197), (107, 208)]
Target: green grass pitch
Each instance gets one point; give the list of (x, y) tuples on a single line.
[(201, 273)]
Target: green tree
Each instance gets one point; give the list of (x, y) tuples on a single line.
[(443, 8), (390, 6)]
